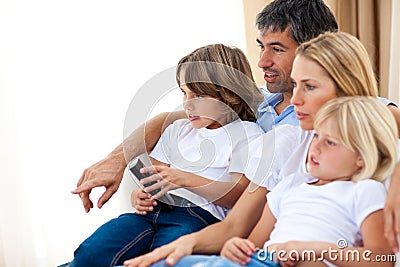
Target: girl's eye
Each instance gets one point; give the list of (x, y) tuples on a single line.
[(183, 92), (199, 96), (330, 143), (316, 135)]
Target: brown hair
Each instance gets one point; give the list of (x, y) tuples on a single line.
[(222, 72)]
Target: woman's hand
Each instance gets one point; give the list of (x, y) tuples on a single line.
[(238, 250), (142, 201), (173, 252)]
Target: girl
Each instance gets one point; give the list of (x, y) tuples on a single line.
[(336, 206), (329, 66), (192, 157)]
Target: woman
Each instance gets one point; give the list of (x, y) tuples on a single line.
[(329, 66)]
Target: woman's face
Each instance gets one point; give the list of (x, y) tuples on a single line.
[(313, 87)]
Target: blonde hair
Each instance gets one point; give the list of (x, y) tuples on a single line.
[(366, 127), (223, 72), (346, 61)]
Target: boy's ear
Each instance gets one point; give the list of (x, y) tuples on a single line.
[(360, 162)]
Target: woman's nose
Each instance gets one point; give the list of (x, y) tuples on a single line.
[(297, 98)]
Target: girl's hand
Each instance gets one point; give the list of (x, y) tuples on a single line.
[(167, 179), (238, 250), (142, 201), (284, 252)]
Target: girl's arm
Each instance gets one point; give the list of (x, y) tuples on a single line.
[(261, 232), (374, 252), (239, 249)]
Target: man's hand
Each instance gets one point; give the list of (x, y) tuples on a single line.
[(108, 173)]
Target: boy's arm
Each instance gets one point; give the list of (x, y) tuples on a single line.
[(109, 171)]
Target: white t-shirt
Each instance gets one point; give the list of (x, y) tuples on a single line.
[(327, 213), (266, 168), (205, 152)]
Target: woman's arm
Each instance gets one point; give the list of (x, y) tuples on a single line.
[(239, 222)]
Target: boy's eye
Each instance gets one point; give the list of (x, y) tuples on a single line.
[(316, 135), (294, 84), (199, 96)]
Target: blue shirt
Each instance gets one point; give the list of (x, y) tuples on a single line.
[(267, 116)]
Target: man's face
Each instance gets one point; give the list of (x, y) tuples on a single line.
[(277, 52)]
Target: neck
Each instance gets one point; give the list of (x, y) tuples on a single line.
[(286, 102)]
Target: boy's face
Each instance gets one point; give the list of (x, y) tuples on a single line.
[(203, 111), (277, 52), (328, 158)]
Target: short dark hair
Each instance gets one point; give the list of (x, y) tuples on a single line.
[(305, 19)]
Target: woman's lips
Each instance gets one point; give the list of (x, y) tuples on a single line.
[(301, 116)]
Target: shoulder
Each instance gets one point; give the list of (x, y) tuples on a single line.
[(178, 127), (386, 101)]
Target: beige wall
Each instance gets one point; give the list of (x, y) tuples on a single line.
[(251, 8)]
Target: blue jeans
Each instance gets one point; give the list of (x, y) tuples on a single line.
[(131, 235), (216, 261)]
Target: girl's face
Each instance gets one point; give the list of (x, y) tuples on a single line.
[(328, 159), (313, 87), (202, 110)]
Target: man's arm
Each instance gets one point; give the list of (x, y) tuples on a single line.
[(109, 171), (392, 210)]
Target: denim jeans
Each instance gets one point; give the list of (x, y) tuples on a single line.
[(216, 261), (131, 235)]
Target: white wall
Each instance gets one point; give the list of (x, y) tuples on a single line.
[(68, 71)]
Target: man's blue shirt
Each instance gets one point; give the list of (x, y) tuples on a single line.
[(267, 116)]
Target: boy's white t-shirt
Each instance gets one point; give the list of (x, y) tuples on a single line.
[(205, 152)]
